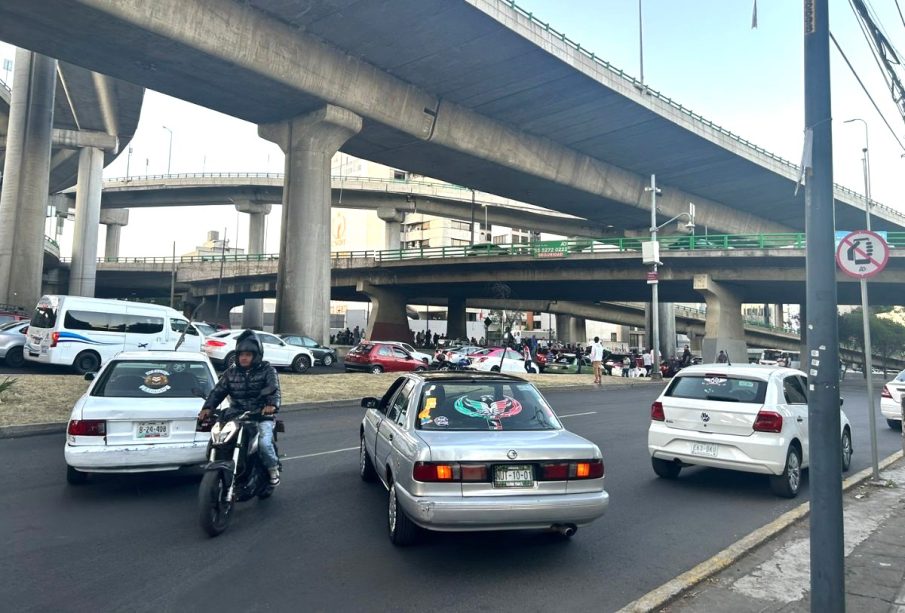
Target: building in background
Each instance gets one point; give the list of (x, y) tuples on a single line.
[(214, 245)]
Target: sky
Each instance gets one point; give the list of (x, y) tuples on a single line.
[(703, 54)]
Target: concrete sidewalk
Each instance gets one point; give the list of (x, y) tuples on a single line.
[(774, 576)]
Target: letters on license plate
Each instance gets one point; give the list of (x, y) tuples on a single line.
[(707, 449), (520, 475), (153, 429)]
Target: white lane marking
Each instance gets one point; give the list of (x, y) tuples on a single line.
[(579, 414), (311, 455)]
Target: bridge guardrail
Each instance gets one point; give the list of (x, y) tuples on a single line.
[(537, 249)]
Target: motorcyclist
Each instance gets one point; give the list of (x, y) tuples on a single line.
[(243, 382)]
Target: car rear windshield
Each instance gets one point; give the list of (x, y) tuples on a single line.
[(154, 378), (45, 315), (362, 348), (483, 405), (718, 387)]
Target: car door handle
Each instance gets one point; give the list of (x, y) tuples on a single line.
[(390, 436), (800, 419)]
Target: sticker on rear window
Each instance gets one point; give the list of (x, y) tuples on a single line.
[(441, 421), (156, 381), (745, 384), (715, 380), (488, 408)]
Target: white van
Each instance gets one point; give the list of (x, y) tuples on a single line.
[(86, 332)]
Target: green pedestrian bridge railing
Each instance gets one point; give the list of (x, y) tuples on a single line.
[(555, 249)]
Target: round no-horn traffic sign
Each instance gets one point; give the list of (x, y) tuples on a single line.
[(862, 254)]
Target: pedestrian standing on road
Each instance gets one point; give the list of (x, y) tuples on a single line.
[(722, 358), (648, 362), (686, 356), (596, 358), (626, 364)]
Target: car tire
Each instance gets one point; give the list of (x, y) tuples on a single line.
[(230, 360), (75, 477), (846, 450), (494, 369), (86, 362), (666, 469), (365, 466), (301, 363), (376, 370), (15, 358), (895, 424), (426, 361), (420, 369), (328, 360), (788, 483), (402, 530)]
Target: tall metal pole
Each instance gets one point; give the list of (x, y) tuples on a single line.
[(827, 555), (865, 312), (641, 48), (220, 280), (655, 287), (472, 217), (170, 155), (128, 162)]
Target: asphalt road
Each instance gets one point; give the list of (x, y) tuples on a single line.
[(320, 544)]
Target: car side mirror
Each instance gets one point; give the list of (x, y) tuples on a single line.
[(89, 376), (841, 401), (369, 402)]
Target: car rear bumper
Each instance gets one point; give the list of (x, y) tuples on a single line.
[(763, 453), (890, 409), (455, 514), (135, 458), (357, 366)]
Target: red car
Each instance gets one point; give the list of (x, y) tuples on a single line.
[(382, 357)]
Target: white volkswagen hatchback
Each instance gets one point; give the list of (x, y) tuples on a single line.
[(747, 417), (221, 349), (139, 414), (891, 401)]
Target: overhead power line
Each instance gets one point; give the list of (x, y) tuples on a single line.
[(883, 50)]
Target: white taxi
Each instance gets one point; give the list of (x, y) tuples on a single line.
[(891, 401), (747, 417), (139, 414)]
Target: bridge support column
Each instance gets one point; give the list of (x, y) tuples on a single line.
[(253, 309), (388, 320), (668, 330), (393, 219), (83, 271), (456, 320), (723, 327), (114, 219), (578, 330), (566, 329), (26, 177), (303, 282)]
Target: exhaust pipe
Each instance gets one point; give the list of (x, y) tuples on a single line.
[(566, 530)]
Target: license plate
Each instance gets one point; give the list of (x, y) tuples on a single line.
[(707, 449), (513, 476), (153, 429)]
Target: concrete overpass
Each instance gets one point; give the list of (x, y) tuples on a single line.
[(723, 278), (60, 126), (463, 96)]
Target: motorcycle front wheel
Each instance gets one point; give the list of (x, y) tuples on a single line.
[(214, 511)]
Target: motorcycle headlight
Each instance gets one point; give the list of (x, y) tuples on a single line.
[(222, 434)]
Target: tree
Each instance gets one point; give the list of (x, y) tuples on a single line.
[(887, 336)]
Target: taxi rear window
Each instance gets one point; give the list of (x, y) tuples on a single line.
[(483, 405), (718, 387)]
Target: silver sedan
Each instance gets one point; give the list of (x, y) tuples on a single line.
[(477, 451), (12, 340)]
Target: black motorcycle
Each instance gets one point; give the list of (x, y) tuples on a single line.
[(234, 472)]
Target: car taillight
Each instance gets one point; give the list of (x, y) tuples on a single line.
[(430, 472), (566, 471), (885, 393), (54, 339), (87, 427), (768, 421), (213, 343), (656, 412)]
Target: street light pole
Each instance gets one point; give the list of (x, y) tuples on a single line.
[(170, 155), (865, 317), (128, 161), (641, 46), (654, 288), (472, 217)]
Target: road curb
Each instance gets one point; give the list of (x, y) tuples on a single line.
[(31, 430), (671, 590)]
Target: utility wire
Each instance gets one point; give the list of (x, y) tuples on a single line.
[(899, 8), (861, 83)]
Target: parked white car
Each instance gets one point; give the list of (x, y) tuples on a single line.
[(513, 362), (221, 349), (891, 401), (739, 417), (139, 414)]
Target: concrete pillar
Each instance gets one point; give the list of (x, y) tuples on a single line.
[(578, 330), (668, 330), (565, 328), (303, 282), (456, 326), (388, 320), (26, 178), (723, 329), (114, 219), (253, 309), (83, 270), (393, 219)]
